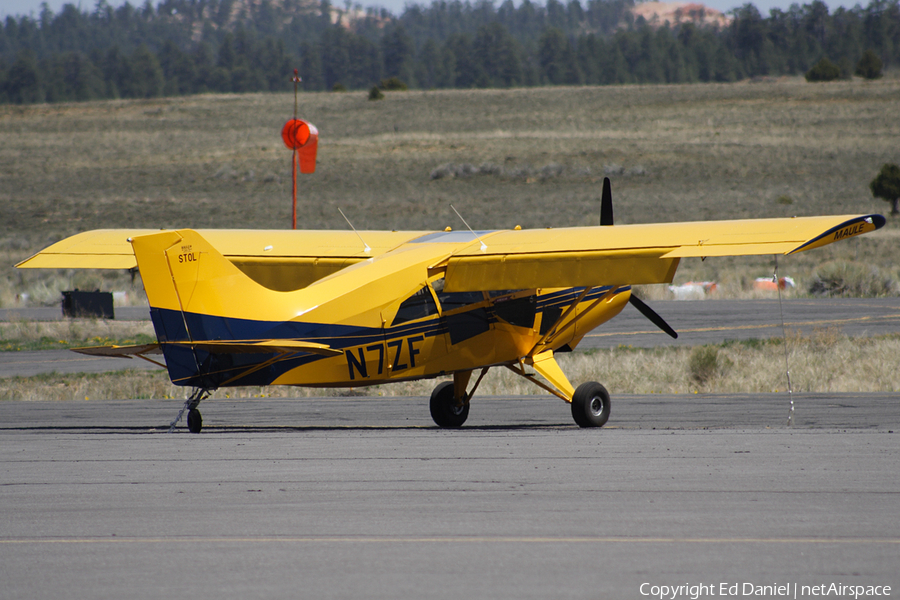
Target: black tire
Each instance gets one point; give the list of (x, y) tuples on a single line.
[(444, 409), (195, 421), (591, 405)]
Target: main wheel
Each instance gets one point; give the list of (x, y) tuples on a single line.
[(195, 421), (444, 409), (590, 405)]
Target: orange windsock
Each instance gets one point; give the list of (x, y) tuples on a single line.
[(304, 138)]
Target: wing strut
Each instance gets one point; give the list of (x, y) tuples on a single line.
[(555, 331), (551, 331)]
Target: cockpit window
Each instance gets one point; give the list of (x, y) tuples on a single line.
[(421, 304)]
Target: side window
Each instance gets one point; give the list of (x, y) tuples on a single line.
[(421, 304), (450, 301), (453, 300)]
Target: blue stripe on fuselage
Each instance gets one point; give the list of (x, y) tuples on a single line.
[(202, 369)]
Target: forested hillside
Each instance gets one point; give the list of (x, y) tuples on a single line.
[(193, 46)]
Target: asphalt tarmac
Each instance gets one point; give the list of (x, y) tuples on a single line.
[(697, 322), (365, 498)]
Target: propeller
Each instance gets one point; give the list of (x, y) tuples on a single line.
[(606, 219), (606, 211), (651, 314)]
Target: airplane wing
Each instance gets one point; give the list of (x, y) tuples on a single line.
[(111, 248), (632, 254), (512, 259), (278, 259)]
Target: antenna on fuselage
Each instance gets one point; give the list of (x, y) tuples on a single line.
[(483, 246), (367, 249)]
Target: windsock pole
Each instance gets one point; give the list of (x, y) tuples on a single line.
[(296, 80), (302, 138)]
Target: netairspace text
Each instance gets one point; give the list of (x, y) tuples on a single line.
[(695, 591)]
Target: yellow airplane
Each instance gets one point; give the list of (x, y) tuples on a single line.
[(348, 309)]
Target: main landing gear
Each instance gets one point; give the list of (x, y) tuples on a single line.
[(590, 403), (446, 410), (450, 401)]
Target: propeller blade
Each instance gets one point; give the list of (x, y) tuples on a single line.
[(606, 211), (650, 314)]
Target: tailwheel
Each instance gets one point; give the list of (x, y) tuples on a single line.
[(445, 409), (590, 405), (194, 421)]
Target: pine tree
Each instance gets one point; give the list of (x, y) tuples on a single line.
[(23, 85), (335, 56), (311, 68), (559, 65), (147, 76), (398, 52)]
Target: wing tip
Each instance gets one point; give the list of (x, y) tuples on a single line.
[(849, 228)]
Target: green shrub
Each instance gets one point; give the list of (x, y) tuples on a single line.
[(824, 70), (886, 186), (850, 279), (338, 87), (394, 84), (375, 93), (869, 66), (704, 364)]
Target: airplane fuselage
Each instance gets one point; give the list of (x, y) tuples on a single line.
[(389, 317)]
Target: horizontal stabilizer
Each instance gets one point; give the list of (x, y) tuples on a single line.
[(260, 347), (214, 347), (136, 351), (120, 351)]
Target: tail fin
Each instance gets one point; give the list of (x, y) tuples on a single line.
[(200, 301), (195, 293), (184, 272)]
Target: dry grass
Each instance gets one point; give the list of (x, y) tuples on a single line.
[(71, 333), (674, 153), (821, 361), (29, 287)]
